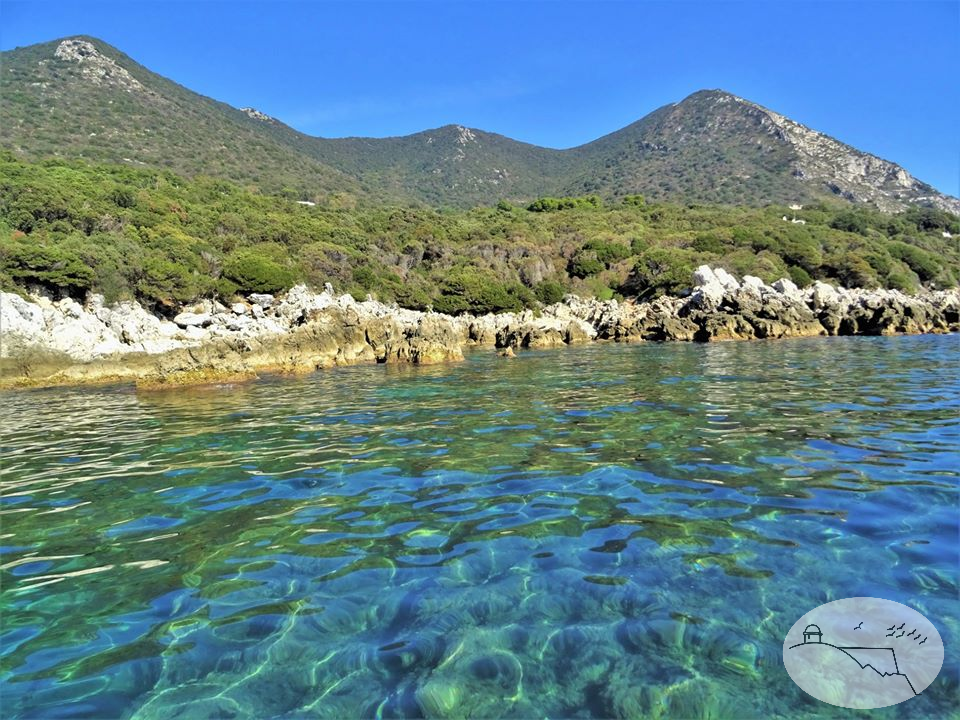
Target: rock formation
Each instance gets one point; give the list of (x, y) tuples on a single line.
[(43, 342)]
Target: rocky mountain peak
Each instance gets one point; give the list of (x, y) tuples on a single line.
[(465, 135), (857, 176), (95, 66), (257, 115), (815, 161)]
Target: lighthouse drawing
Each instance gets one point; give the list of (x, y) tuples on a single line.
[(812, 634)]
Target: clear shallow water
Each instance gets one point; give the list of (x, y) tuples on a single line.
[(604, 531)]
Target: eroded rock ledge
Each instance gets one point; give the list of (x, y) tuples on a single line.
[(50, 343)]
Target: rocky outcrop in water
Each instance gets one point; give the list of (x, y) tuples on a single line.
[(45, 342), (722, 308)]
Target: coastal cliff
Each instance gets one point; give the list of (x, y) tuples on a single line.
[(45, 342)]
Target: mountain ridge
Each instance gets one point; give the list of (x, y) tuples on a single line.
[(79, 96)]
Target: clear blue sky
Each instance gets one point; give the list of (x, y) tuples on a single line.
[(882, 76)]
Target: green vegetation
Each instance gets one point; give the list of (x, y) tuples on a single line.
[(72, 227), (549, 292), (552, 204)]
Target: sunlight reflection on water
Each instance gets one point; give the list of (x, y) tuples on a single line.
[(606, 531)]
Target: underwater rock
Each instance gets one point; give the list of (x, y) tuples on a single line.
[(422, 652), (501, 670), (439, 698)]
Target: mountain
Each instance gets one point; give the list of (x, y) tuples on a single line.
[(81, 97)]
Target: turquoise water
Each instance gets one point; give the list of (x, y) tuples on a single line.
[(608, 531)]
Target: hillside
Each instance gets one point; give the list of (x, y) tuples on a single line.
[(714, 146), (84, 98), (69, 227), (80, 97)]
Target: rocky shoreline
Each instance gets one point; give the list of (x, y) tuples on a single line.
[(47, 343)]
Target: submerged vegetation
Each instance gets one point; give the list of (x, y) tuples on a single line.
[(71, 227)]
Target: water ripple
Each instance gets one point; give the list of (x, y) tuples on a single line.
[(603, 531)]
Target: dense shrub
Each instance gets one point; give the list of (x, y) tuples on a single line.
[(851, 270), (921, 262), (473, 291), (165, 283), (661, 271), (800, 277), (850, 221), (584, 264), (638, 245), (254, 272), (708, 243), (608, 252), (932, 219), (549, 292), (799, 248), (552, 204), (123, 197), (898, 280), (52, 267), (416, 297)]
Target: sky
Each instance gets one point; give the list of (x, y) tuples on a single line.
[(881, 76)]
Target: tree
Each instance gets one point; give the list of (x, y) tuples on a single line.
[(661, 271)]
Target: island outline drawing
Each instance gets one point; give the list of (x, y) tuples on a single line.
[(847, 651), (863, 653)]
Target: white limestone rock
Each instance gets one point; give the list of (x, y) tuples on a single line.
[(70, 308), (754, 285), (20, 317), (726, 280), (823, 295), (193, 320), (134, 325), (704, 275), (788, 288), (264, 300)]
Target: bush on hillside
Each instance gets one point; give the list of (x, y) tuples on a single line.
[(165, 283), (584, 263), (254, 272), (549, 292), (552, 204), (661, 271), (608, 252), (920, 261), (474, 291), (55, 268)]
